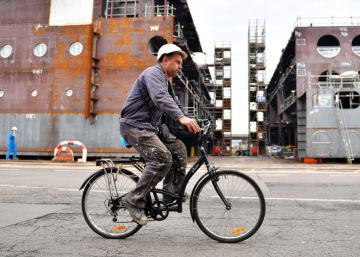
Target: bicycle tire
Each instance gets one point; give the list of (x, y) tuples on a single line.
[(97, 206), (247, 207)]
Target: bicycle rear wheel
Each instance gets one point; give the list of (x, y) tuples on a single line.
[(234, 224), (102, 207)]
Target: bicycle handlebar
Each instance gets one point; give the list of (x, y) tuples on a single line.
[(205, 126)]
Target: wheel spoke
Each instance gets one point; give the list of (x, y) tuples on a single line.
[(100, 207), (245, 215)]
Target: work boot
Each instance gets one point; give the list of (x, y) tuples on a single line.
[(137, 214)]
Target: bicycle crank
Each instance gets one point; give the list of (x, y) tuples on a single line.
[(159, 211)]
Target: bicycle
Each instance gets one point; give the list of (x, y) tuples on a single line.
[(228, 206)]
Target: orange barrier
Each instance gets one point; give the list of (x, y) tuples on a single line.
[(78, 143), (64, 158)]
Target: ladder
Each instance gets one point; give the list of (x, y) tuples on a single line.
[(344, 130)]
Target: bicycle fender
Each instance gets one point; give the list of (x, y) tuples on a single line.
[(126, 172), (89, 178), (193, 195)]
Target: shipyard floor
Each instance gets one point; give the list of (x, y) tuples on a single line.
[(312, 210)]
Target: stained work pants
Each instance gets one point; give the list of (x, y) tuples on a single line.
[(158, 157)]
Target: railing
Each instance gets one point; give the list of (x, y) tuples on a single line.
[(290, 100), (328, 21), (338, 81), (123, 8)]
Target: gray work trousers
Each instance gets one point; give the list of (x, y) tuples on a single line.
[(158, 157)]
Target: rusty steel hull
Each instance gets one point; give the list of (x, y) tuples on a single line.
[(61, 96), (298, 85), (52, 116)]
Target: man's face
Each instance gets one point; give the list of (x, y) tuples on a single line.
[(172, 64)]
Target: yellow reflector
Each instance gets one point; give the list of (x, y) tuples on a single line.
[(238, 230), (119, 228)]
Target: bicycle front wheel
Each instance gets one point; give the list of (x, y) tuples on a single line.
[(102, 207), (237, 222)]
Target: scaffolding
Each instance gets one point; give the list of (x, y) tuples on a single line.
[(221, 91), (257, 87)]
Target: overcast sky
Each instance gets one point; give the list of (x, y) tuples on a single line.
[(228, 20)]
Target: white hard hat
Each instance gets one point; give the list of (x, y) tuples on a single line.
[(14, 128), (168, 49)]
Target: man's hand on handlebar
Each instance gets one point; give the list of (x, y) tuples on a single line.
[(191, 124)]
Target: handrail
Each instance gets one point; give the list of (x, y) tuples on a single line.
[(121, 8), (327, 21)]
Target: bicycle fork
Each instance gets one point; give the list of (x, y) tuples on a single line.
[(214, 180)]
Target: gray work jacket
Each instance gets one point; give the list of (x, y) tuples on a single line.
[(148, 99)]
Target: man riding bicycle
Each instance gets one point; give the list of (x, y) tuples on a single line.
[(150, 98)]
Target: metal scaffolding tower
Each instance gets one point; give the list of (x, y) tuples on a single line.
[(257, 97), (222, 95)]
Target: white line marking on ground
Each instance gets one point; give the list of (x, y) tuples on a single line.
[(234, 197), (313, 200), (67, 170), (345, 175), (294, 199), (39, 187), (273, 175)]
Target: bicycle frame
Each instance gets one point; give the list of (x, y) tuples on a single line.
[(177, 206), (210, 172)]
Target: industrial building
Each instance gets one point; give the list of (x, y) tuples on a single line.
[(313, 96), (66, 69)]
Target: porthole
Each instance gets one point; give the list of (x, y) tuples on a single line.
[(40, 50), (328, 46), (76, 48), (2, 93), (69, 92), (155, 43), (6, 51), (355, 45), (34, 93)]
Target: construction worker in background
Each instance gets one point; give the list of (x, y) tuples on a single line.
[(152, 96), (11, 143)]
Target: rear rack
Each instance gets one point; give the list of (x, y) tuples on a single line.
[(119, 160)]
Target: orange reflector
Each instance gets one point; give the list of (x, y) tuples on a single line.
[(119, 228), (237, 231)]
